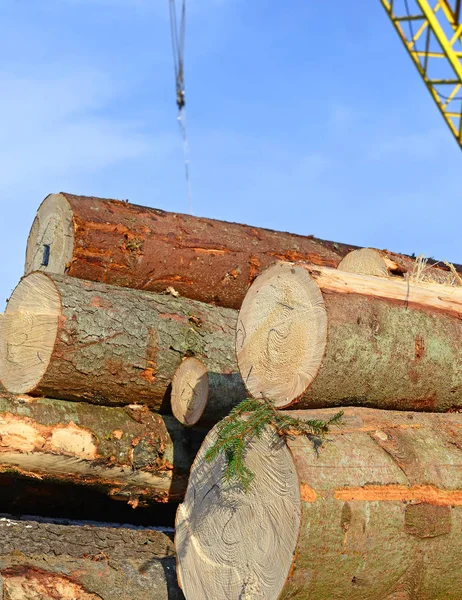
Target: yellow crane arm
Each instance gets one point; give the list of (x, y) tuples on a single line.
[(432, 34)]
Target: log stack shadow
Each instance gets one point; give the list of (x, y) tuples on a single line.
[(127, 313)]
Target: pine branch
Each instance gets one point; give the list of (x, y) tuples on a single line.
[(248, 420)]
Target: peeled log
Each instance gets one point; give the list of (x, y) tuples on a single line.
[(375, 513), (202, 396), (318, 337), (128, 453), (145, 248), (78, 340), (50, 561)]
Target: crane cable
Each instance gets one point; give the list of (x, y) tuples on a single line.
[(178, 40)]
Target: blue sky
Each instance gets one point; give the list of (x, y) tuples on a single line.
[(305, 116)]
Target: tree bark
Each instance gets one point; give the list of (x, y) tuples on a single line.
[(77, 340), (49, 561), (128, 245), (314, 336), (200, 396), (373, 513), (128, 453)]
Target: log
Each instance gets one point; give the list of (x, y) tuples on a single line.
[(375, 513), (52, 561), (315, 337), (200, 396), (145, 248), (128, 453), (77, 340), (370, 261)]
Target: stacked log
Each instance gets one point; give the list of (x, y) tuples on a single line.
[(374, 514), (78, 340), (145, 248), (53, 561), (126, 313), (314, 336), (129, 453)]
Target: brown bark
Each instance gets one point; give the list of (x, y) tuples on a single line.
[(49, 561), (128, 453), (110, 345), (373, 513), (128, 245), (314, 336)]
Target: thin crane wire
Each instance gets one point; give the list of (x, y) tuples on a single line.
[(178, 41)]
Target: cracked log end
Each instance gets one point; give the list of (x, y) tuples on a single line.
[(190, 390), (29, 330), (51, 240), (232, 544), (281, 334)]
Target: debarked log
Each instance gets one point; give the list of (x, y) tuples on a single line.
[(129, 453), (314, 336), (145, 248), (374, 513), (72, 339), (72, 561)]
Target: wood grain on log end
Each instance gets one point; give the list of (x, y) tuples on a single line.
[(190, 390), (312, 525), (29, 330), (365, 261), (50, 244), (281, 334), (318, 337)]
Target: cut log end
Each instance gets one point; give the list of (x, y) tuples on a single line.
[(281, 334), (230, 544), (51, 240), (190, 390), (365, 261), (29, 329)]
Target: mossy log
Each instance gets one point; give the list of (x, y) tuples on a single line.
[(50, 561), (199, 396), (128, 453), (72, 339), (145, 248), (314, 336), (374, 513)]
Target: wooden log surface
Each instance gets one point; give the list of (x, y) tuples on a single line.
[(199, 396), (129, 453), (313, 336), (51, 561), (204, 259), (77, 340), (375, 513)]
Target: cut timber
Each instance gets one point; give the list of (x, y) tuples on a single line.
[(77, 340), (330, 338), (52, 561), (145, 248), (199, 395), (128, 453), (375, 513), (365, 261)]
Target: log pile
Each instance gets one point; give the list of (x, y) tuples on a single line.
[(127, 314)]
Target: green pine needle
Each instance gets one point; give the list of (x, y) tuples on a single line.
[(248, 420)]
